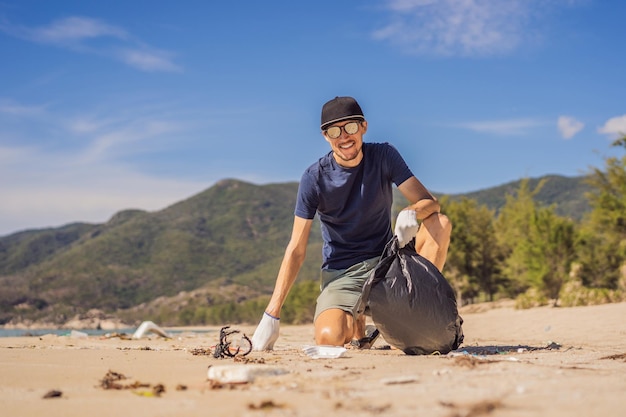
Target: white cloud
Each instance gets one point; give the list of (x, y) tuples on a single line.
[(461, 27), (93, 36), (85, 168), (84, 125), (110, 132), (40, 189), (74, 29), (405, 5), (503, 127), (8, 155), (569, 126), (11, 108), (615, 126), (148, 61), (107, 141)]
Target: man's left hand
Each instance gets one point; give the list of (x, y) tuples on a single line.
[(406, 226)]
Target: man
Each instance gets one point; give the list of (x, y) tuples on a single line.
[(350, 189)]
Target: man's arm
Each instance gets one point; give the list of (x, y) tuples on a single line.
[(291, 264), (267, 331), (432, 240), (422, 201)]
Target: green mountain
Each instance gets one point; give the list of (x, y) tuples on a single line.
[(566, 194), (223, 244)]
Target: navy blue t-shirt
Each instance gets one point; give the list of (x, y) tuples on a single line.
[(354, 204)]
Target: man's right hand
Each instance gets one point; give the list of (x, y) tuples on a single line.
[(266, 333)]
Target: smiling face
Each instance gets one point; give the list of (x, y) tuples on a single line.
[(347, 148)]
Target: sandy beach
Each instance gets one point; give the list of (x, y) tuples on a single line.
[(538, 362)]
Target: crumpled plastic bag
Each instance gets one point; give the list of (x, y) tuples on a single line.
[(148, 327), (411, 303)]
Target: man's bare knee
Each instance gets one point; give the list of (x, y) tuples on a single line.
[(433, 239), (329, 336), (438, 225), (333, 327)]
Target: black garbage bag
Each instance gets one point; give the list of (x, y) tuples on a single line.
[(411, 303)]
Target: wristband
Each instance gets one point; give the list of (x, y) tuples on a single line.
[(275, 318)]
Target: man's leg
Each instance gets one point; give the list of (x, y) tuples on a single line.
[(335, 324), (335, 327), (433, 239)]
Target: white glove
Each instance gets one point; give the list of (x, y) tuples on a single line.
[(266, 333), (406, 226)]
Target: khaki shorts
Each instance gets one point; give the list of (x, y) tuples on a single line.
[(341, 288)]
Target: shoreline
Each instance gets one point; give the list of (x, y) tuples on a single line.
[(537, 362)]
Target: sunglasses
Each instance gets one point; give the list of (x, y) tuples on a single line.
[(350, 128)]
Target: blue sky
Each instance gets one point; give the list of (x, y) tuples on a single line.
[(114, 104)]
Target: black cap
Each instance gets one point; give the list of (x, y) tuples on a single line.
[(340, 108)]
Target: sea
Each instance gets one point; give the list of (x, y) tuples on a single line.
[(60, 332), (90, 332)]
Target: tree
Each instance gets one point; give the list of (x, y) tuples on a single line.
[(513, 227), (539, 244), (550, 252), (474, 257), (602, 247)]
